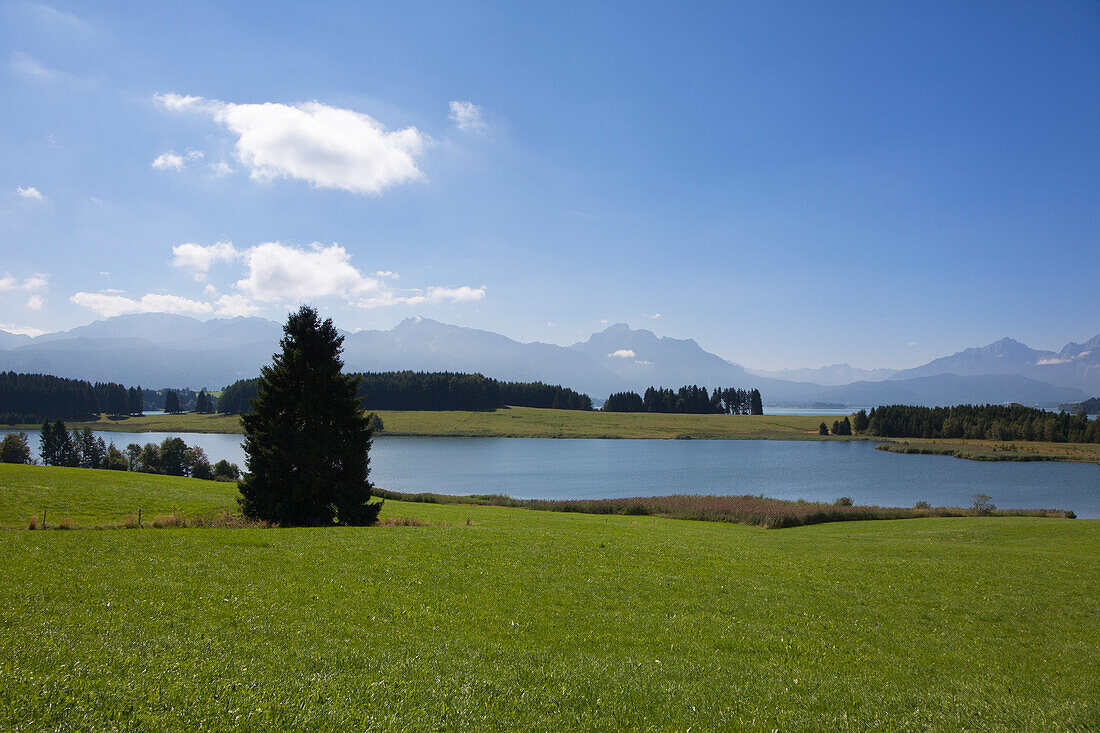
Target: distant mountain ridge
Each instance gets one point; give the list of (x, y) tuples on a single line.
[(833, 375), (160, 350), (1076, 365)]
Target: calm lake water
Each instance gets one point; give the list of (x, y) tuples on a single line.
[(532, 468)]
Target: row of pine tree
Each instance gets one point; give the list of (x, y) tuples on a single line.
[(31, 398), (691, 399), (409, 390)]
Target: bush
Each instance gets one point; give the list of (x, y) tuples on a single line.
[(15, 449), (843, 501), (923, 506), (162, 521), (226, 471), (983, 503)]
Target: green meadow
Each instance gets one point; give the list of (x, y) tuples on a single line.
[(469, 617), (91, 498), (517, 422)]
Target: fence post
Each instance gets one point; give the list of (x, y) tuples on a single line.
[(139, 518)]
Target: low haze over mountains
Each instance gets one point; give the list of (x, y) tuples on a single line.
[(158, 350)]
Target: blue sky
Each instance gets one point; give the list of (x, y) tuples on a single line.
[(791, 184)]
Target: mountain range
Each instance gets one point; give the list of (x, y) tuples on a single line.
[(161, 350)]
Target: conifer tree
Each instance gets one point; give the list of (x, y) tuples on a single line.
[(307, 440), (171, 401), (757, 406), (48, 445), (67, 453)]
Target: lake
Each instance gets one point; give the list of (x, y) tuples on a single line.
[(536, 468)]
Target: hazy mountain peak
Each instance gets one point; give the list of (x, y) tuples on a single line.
[(163, 350), (831, 375)]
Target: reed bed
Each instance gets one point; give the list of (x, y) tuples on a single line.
[(753, 510)]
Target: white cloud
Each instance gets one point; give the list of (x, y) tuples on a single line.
[(198, 259), (1048, 362), (236, 305), (219, 169), (179, 102), (57, 17), (653, 317), (275, 273), (35, 282), (326, 146), (28, 68), (283, 273), (37, 72), (431, 296), (23, 330), (278, 272), (172, 160), (464, 294), (622, 354), (643, 362), (467, 116), (108, 305), (30, 192), (35, 302)]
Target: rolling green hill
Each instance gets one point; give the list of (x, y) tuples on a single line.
[(499, 618)]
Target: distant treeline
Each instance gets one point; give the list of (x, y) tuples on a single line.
[(58, 446), (32, 398), (688, 399), (1088, 407), (185, 400), (980, 422), (410, 390)]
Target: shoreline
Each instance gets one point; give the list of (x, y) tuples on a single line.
[(527, 422)]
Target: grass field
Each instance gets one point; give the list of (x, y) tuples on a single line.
[(98, 498), (518, 422), (494, 618), (998, 450)]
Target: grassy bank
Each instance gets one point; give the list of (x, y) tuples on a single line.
[(496, 618), (90, 498), (994, 450), (754, 510), (80, 498)]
